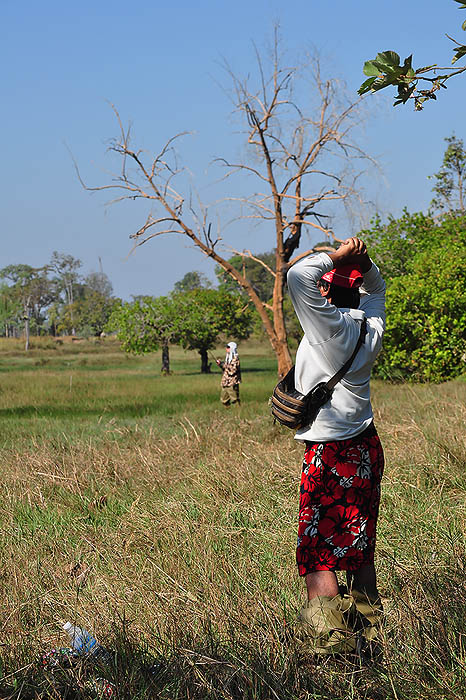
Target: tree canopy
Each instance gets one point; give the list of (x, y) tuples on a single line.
[(422, 259), (29, 293), (54, 298), (256, 268), (144, 324), (192, 280)]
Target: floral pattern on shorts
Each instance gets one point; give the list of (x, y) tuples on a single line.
[(338, 504)]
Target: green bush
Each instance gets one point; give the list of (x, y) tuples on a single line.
[(423, 261)]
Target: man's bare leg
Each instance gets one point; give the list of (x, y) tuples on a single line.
[(363, 580), (321, 583)]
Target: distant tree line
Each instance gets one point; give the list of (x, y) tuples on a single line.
[(54, 299)]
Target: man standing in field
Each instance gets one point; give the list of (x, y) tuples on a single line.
[(231, 376), (343, 461)]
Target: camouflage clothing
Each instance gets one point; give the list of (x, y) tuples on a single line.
[(231, 372)]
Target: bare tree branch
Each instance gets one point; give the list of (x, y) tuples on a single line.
[(239, 166), (301, 151), (250, 256)]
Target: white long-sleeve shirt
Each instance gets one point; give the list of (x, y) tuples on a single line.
[(330, 336)]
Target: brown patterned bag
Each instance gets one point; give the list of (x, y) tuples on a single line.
[(295, 410)]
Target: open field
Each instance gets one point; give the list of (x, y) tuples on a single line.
[(137, 506), (89, 391)]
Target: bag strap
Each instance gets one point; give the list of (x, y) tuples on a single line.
[(336, 377)]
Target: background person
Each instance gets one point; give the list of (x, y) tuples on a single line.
[(343, 461), (231, 376)]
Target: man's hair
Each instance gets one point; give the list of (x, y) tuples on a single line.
[(341, 296)]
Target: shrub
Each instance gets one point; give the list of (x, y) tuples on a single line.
[(423, 261)]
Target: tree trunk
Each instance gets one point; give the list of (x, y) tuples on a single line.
[(26, 330), (205, 366), (280, 345), (283, 357), (165, 358)]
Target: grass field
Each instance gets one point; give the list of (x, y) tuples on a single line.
[(137, 506)]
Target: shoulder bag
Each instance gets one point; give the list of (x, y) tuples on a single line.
[(295, 410)]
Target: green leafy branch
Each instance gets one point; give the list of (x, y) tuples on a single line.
[(386, 69)]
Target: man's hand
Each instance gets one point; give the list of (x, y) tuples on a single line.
[(352, 252)]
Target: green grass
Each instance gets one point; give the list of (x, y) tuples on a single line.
[(60, 395), (140, 507)]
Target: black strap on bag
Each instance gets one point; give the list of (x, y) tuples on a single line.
[(295, 410)]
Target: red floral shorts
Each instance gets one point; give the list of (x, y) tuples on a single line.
[(339, 503)]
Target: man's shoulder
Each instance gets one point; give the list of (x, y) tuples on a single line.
[(356, 314)]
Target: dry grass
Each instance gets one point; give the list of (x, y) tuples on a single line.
[(180, 546)]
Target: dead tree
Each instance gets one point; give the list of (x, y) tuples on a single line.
[(302, 159)]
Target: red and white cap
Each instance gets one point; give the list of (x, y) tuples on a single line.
[(348, 276)]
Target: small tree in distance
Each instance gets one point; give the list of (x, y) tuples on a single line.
[(100, 283), (146, 324), (66, 268), (301, 160), (92, 311), (195, 320), (205, 314)]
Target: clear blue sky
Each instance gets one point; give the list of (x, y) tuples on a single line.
[(160, 63)]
